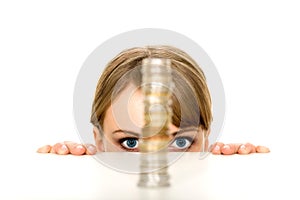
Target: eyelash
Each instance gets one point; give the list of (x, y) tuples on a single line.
[(125, 148), (190, 139)]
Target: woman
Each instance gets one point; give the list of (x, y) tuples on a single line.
[(118, 129)]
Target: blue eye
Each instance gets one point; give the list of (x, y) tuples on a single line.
[(181, 143), (130, 143)]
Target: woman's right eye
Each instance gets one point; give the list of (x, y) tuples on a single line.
[(130, 143)]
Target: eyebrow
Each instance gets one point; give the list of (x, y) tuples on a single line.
[(126, 131), (137, 134), (184, 130)]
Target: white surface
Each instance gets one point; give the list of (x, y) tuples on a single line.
[(254, 45), (256, 176)]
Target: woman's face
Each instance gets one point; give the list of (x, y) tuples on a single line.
[(124, 121)]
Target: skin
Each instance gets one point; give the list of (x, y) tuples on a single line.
[(80, 149), (122, 128)]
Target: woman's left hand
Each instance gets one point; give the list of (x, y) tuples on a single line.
[(220, 148)]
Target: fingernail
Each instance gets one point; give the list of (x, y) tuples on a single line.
[(242, 147), (217, 148), (79, 147), (226, 146), (64, 147), (91, 150)]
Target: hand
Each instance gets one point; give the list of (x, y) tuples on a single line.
[(67, 147), (220, 148)]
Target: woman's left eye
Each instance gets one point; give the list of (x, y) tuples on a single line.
[(181, 143), (130, 143)]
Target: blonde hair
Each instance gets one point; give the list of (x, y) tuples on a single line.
[(188, 73)]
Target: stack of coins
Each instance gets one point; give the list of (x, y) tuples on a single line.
[(157, 88)]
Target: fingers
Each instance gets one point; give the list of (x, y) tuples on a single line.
[(90, 149), (44, 149), (246, 149), (76, 149), (216, 148), (60, 149), (262, 149), (69, 148), (225, 149), (79, 149), (243, 149), (229, 149)]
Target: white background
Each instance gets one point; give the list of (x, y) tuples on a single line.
[(255, 46)]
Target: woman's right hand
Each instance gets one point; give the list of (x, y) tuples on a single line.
[(67, 147), (218, 148)]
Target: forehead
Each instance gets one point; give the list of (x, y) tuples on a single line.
[(127, 110)]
